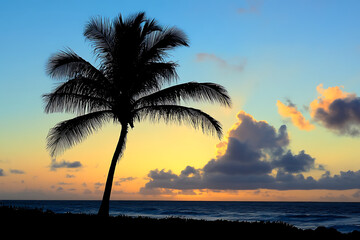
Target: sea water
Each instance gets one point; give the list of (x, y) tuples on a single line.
[(343, 216)]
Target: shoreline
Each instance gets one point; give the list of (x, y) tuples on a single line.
[(72, 223)]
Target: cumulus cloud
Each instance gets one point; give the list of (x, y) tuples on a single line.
[(334, 109), (337, 110), (254, 156), (239, 158), (301, 162), (290, 111), (64, 164), (187, 179), (258, 134), (201, 57)]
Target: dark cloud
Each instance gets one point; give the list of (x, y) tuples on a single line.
[(2, 172), (16, 171), (64, 164), (281, 181), (256, 156), (342, 181), (342, 116), (258, 134), (188, 178), (334, 109), (238, 159), (301, 162), (156, 191)]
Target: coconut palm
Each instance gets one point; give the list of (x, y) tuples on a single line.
[(131, 83)]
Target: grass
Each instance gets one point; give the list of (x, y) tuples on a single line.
[(40, 223)]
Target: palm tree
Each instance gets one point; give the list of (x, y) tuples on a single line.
[(126, 87)]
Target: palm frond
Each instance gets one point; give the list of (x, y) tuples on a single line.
[(162, 71), (210, 92), (161, 41), (152, 77), (149, 27), (100, 32), (180, 115), (85, 86), (134, 21), (68, 133), (67, 64), (74, 103)]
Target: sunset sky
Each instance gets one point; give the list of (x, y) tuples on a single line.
[(292, 69)]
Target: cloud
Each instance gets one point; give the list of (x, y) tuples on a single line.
[(2, 172), (297, 118), (121, 180), (337, 110), (156, 191), (356, 194), (167, 179), (254, 156), (301, 162), (253, 7), (334, 109), (327, 96), (64, 183), (258, 134), (238, 159), (64, 164), (201, 57), (16, 171), (97, 185)]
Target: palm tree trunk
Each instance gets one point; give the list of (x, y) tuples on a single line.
[(104, 207)]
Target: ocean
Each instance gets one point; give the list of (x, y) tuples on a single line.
[(343, 216)]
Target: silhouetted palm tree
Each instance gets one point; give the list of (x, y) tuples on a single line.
[(128, 86)]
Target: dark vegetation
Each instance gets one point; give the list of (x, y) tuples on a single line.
[(40, 223)]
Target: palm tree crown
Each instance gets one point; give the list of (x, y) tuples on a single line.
[(128, 85)]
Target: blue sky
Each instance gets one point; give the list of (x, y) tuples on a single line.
[(291, 42), (260, 50)]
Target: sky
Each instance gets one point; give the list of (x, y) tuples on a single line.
[(292, 69)]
